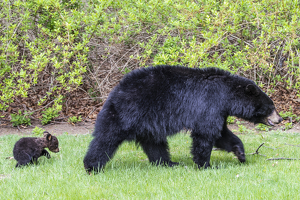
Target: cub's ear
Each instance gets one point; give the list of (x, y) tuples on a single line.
[(47, 135), (252, 89)]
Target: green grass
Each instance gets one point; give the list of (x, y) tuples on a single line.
[(130, 176)]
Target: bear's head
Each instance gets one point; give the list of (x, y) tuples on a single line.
[(239, 152), (263, 108), (51, 142)]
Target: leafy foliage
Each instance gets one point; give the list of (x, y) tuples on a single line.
[(231, 119), (262, 127), (38, 131), (52, 47), (49, 114), (20, 119), (289, 114), (74, 119)]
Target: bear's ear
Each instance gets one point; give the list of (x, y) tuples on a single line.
[(252, 89), (47, 135)]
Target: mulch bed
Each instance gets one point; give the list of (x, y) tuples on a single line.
[(79, 103)]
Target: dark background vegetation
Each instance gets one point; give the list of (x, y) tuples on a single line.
[(60, 59)]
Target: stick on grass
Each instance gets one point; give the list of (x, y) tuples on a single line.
[(257, 152)]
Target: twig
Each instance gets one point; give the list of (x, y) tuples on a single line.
[(282, 158), (273, 148), (95, 107), (55, 122), (257, 152), (60, 119), (259, 147), (292, 145), (43, 106)]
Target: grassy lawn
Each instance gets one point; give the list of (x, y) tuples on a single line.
[(130, 176)]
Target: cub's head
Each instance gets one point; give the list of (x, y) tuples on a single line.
[(263, 107), (52, 142)]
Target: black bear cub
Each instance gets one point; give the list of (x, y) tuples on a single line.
[(150, 104), (29, 149)]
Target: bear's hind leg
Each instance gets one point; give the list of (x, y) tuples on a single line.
[(23, 159), (158, 153)]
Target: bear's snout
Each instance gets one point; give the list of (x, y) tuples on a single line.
[(274, 118), (55, 150)]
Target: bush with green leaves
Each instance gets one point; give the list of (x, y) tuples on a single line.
[(262, 127), (74, 119), (49, 114), (53, 47), (289, 115), (38, 131), (230, 119), (20, 119), (44, 45)]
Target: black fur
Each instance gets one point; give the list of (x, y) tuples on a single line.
[(27, 150), (152, 103), (231, 143)]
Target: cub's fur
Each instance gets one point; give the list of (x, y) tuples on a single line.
[(29, 149)]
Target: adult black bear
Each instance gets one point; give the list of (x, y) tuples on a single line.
[(152, 103), (29, 149)]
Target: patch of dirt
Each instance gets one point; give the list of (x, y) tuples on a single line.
[(251, 127), (88, 127), (53, 128)]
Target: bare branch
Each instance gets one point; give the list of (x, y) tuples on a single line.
[(273, 148), (257, 152), (283, 158), (292, 145)]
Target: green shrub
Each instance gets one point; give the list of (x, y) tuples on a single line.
[(288, 125), (230, 119), (262, 127), (243, 129), (74, 119), (43, 41), (38, 131), (20, 119), (57, 46), (50, 113), (289, 114)]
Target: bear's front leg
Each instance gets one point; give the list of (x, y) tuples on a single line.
[(231, 143), (46, 153), (101, 150), (201, 150)]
